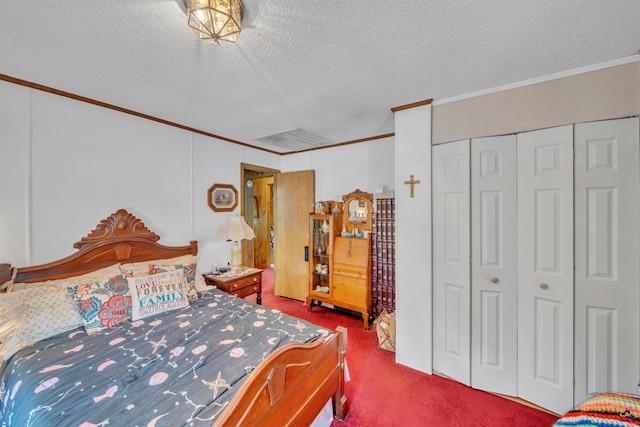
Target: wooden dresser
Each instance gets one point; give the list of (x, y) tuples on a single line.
[(241, 285), (349, 285), (351, 275)]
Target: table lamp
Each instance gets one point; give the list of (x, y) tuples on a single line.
[(236, 230)]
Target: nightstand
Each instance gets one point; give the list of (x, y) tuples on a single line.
[(239, 285)]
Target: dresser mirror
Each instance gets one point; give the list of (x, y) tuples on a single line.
[(358, 212)]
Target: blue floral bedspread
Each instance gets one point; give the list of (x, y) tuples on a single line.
[(178, 368)]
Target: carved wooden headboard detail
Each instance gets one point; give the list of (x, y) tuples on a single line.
[(119, 224), (121, 237)]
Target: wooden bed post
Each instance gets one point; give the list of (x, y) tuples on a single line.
[(5, 273), (340, 403)]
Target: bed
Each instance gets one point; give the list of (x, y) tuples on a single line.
[(604, 410), (216, 360)]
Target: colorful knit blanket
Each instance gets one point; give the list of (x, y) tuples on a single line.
[(604, 410)]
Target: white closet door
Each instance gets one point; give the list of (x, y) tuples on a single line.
[(451, 258), (607, 254), (545, 267), (494, 280)]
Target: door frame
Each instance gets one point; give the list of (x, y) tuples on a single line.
[(247, 172)]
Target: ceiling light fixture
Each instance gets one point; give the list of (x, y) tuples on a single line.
[(215, 19)]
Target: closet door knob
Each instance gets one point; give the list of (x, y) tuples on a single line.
[(544, 286), (495, 280)]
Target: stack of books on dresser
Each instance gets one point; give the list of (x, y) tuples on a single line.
[(383, 281)]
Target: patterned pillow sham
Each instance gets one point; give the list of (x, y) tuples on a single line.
[(70, 282), (103, 304), (12, 315), (186, 263), (157, 293), (34, 314)]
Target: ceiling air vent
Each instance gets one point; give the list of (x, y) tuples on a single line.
[(295, 140)]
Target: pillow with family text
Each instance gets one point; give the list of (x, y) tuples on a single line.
[(186, 263), (158, 293), (189, 271)]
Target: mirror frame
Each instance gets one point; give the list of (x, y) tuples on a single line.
[(361, 197)]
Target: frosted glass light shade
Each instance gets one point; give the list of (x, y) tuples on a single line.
[(215, 19)]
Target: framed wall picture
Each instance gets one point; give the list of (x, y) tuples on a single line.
[(222, 197)]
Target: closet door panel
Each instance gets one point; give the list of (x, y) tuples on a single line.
[(607, 212), (545, 267), (494, 293), (451, 256)]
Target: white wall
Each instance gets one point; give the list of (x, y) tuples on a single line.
[(15, 107), (413, 239), (341, 170), (216, 161), (65, 165)]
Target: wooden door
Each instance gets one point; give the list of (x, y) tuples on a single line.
[(494, 278), (259, 212), (545, 267), (606, 277), (294, 197), (451, 259)]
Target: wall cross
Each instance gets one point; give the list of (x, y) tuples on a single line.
[(411, 182)]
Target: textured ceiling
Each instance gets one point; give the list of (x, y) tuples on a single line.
[(331, 68)]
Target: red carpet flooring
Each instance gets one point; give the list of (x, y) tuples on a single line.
[(383, 393)]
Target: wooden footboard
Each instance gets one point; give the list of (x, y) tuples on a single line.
[(292, 385)]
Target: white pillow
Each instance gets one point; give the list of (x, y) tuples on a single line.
[(201, 285), (33, 314), (141, 268), (12, 315), (70, 282), (157, 293)]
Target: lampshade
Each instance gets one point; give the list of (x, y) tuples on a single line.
[(215, 19), (237, 229)]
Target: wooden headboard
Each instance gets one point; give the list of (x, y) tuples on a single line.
[(121, 237)]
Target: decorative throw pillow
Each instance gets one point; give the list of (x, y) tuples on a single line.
[(158, 293), (103, 304), (189, 271), (33, 314), (186, 263)]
